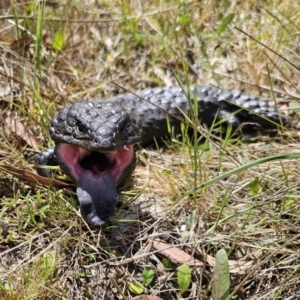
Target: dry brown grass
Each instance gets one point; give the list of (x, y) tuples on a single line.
[(47, 251)]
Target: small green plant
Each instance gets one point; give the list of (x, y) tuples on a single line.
[(148, 277), (184, 276), (59, 40), (166, 263), (137, 288), (221, 278)]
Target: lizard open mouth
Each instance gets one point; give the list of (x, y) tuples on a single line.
[(97, 175)]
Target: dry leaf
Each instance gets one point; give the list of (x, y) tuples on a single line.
[(31, 177), (178, 256), (174, 254), (58, 85), (18, 128), (235, 266), (146, 297)]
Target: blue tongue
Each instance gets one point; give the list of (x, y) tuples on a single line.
[(97, 196)]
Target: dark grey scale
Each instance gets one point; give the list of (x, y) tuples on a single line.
[(226, 95), (45, 158), (146, 92), (231, 119), (130, 98), (236, 94), (252, 104), (157, 91), (201, 97), (262, 103), (132, 106), (95, 125), (253, 97), (203, 89), (243, 99), (219, 92), (155, 100), (278, 119), (273, 116), (211, 92), (173, 110), (175, 89), (165, 102), (152, 113), (261, 110), (180, 100), (272, 109), (209, 99), (199, 92), (93, 114), (240, 101), (168, 95)]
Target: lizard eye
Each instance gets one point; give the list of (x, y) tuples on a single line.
[(81, 128)]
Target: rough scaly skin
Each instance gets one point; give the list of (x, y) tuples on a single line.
[(212, 102), (94, 139)]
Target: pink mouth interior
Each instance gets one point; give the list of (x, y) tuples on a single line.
[(79, 160), (97, 175)]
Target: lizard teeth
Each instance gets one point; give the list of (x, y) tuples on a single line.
[(83, 153), (111, 156)]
